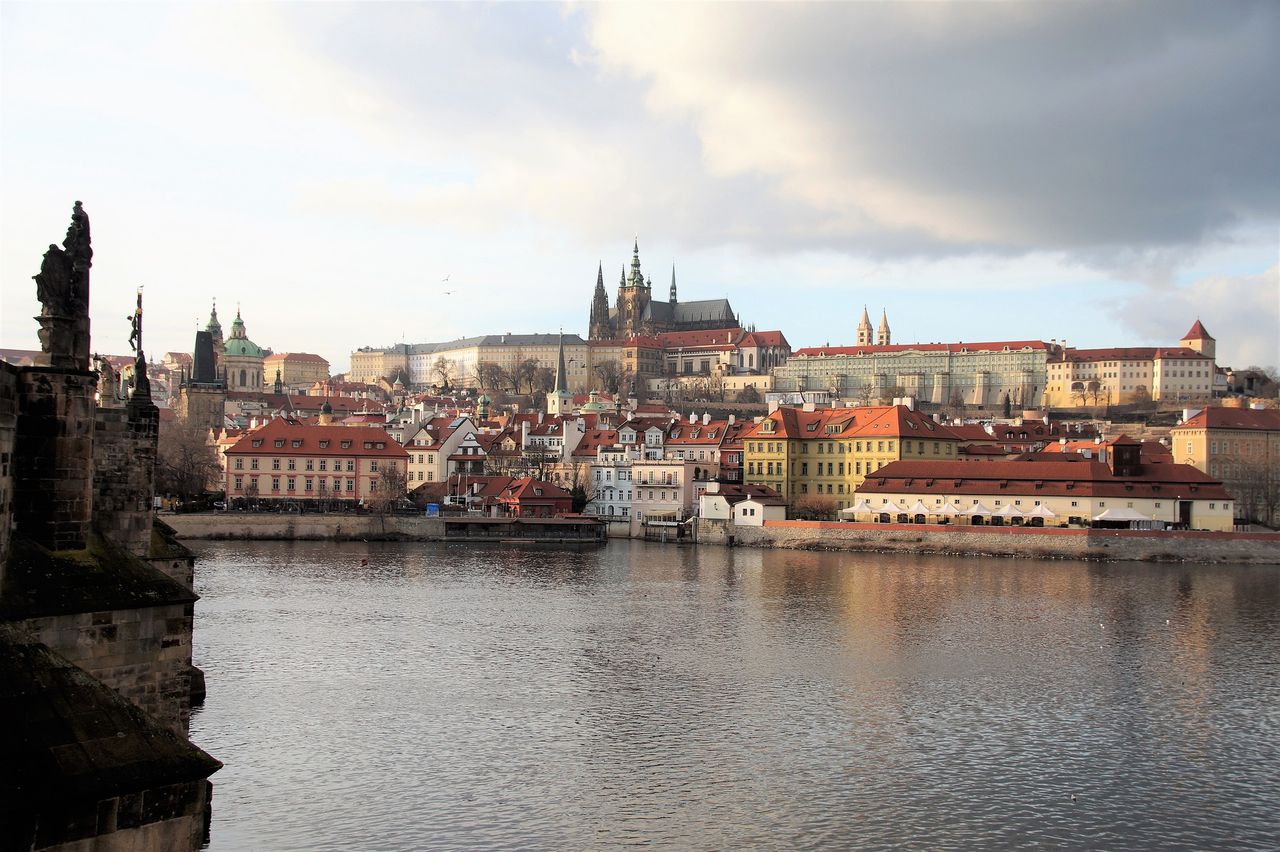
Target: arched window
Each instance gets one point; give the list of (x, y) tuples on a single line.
[(242, 378)]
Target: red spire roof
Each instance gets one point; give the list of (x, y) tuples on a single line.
[(1197, 332)]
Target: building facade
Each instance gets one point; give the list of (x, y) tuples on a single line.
[(286, 460), (1241, 447), (829, 452), (1078, 378), (954, 375), (298, 371)]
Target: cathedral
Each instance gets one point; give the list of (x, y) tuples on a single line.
[(636, 314)]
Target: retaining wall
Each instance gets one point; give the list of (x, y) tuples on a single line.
[(1118, 545), (289, 527)]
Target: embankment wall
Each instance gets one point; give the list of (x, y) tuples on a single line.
[(291, 527), (1112, 545)]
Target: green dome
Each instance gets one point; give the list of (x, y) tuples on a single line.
[(242, 346)]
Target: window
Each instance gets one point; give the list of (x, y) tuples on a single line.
[(323, 464), (324, 445), (289, 484), (292, 464), (279, 442), (275, 483), (275, 464), (239, 465), (351, 466), (306, 484), (253, 464), (239, 483), (346, 445), (351, 485)]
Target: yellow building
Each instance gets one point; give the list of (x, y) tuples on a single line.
[(370, 364), (297, 369), (1078, 378), (829, 452), (1241, 447)]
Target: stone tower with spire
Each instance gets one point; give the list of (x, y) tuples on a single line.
[(601, 327), (215, 332), (673, 284), (633, 297), (882, 335), (1199, 340), (864, 328), (559, 400)]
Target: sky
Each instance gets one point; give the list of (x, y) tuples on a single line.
[(364, 174)]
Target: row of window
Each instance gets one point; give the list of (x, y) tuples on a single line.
[(308, 485), (830, 447), (832, 468), (292, 464)]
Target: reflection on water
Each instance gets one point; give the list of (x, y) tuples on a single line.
[(446, 697)]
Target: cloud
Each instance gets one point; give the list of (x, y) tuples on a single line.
[(995, 126), (1241, 311)]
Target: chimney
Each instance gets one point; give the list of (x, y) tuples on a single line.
[(731, 419), (706, 417)]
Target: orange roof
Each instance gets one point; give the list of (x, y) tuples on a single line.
[(718, 338), (764, 338), (884, 421), (1255, 419), (296, 356)]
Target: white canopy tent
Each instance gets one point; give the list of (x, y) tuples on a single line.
[(862, 507), (1121, 514), (1009, 512), (1042, 512), (948, 511)]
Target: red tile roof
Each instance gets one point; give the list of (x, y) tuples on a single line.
[(884, 421), (1253, 419), (764, 338), (1030, 477), (1197, 332), (310, 439), (713, 338)]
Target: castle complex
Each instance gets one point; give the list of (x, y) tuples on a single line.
[(636, 314)]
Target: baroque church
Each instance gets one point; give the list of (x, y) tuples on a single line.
[(636, 314)]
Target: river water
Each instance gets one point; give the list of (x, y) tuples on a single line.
[(450, 697)]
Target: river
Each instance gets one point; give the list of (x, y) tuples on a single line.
[(448, 697)]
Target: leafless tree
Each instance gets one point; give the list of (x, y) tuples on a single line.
[(186, 463), (543, 380), (813, 507), (523, 374), (391, 488), (610, 374), (491, 377), (749, 395), (443, 370)]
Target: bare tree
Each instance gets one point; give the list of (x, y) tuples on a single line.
[(391, 488), (186, 463), (491, 377), (543, 380), (749, 395), (813, 507), (524, 373), (610, 374), (863, 395), (1093, 389), (443, 370)]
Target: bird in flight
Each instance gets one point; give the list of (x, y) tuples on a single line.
[(445, 280)]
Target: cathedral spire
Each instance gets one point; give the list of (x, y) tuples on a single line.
[(636, 278), (882, 336), (560, 380), (673, 283)]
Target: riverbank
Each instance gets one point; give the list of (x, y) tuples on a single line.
[(245, 526), (1022, 542)]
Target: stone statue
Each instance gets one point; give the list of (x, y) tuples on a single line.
[(53, 283), (80, 252), (108, 382), (135, 320)]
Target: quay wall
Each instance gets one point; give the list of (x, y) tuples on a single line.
[(304, 527), (1109, 545)]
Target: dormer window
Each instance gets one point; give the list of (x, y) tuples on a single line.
[(296, 442), (257, 442), (346, 445), (279, 442)]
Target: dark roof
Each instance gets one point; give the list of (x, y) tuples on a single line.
[(687, 313)]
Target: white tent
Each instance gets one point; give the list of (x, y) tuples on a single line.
[(862, 507), (919, 509), (1041, 512), (976, 509), (1009, 512), (948, 510), (1125, 514)]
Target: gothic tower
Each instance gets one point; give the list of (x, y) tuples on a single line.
[(882, 336), (215, 331), (600, 327), (864, 328), (633, 298), (673, 283)]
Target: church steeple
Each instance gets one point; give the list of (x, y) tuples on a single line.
[(882, 335), (673, 283), (560, 401), (599, 327), (635, 279), (864, 328)]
